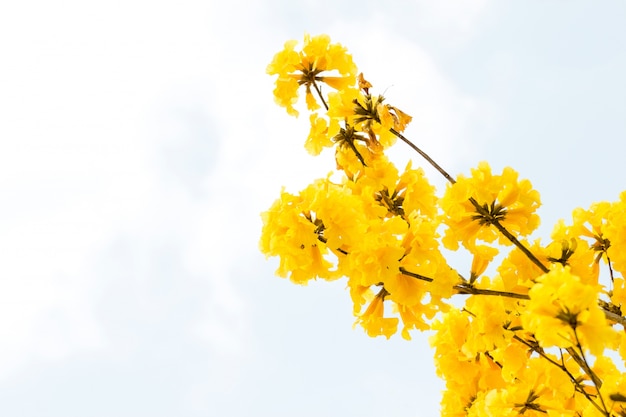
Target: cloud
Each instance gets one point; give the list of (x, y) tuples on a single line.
[(449, 18), (141, 143), (90, 156)]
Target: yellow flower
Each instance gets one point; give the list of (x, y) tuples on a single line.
[(373, 321), (319, 61), (290, 235), (517, 272), (423, 256), (469, 377), (318, 136), (487, 330), (341, 103), (576, 254), (392, 117), (450, 334), (375, 257), (378, 180), (483, 255), (513, 358), (419, 193), (618, 295), (368, 114), (360, 294), (538, 389), (615, 231), (342, 213), (591, 223), (413, 318), (286, 94), (563, 311), (402, 195), (500, 198), (613, 387), (353, 160)]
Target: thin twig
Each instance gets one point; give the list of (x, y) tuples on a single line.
[(424, 155), (466, 289), (509, 235), (319, 93), (414, 275), (597, 382), (471, 290)]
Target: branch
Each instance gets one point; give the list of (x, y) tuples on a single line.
[(479, 209), (465, 288), (469, 289), (424, 155), (319, 93), (492, 220)]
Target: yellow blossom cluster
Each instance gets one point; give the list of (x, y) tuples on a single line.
[(472, 206), (542, 334), (296, 68)]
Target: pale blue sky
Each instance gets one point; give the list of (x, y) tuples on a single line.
[(139, 142)]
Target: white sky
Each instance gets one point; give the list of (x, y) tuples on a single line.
[(139, 142)]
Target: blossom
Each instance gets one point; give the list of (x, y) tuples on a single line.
[(615, 231), (373, 321), (563, 312), (591, 224), (469, 377), (488, 331), (573, 252), (423, 256), (483, 255), (417, 191), (319, 61), (413, 318), (375, 259), (517, 272), (472, 206), (290, 235), (538, 389), (368, 113), (318, 135)]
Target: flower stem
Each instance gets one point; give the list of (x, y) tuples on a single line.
[(509, 235), (470, 289), (319, 93), (424, 155), (584, 364)]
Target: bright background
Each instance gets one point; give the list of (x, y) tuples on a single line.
[(139, 142)]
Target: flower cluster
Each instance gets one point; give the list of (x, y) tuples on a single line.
[(564, 312), (540, 333), (474, 206), (305, 68), (354, 118)]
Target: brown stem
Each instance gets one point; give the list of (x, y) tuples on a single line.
[(608, 260), (414, 275), (614, 317), (597, 382), (424, 155), (319, 93), (467, 289), (509, 236)]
